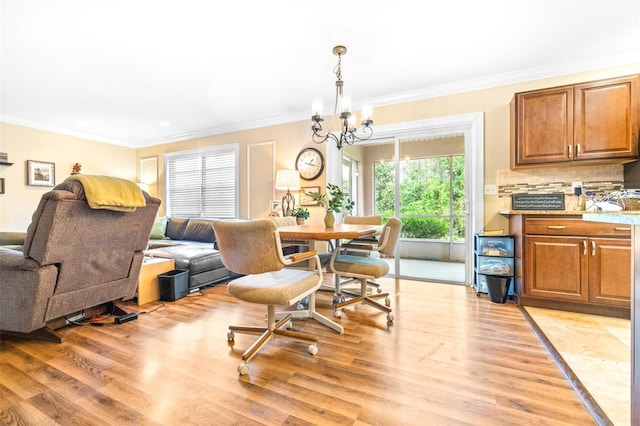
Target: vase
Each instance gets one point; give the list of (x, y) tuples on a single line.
[(329, 219), (300, 220)]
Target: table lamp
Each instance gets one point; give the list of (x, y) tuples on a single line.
[(288, 179)]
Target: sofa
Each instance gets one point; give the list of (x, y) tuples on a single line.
[(191, 243), (72, 258)]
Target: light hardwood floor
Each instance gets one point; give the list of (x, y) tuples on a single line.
[(449, 358)]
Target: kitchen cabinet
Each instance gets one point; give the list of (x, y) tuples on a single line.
[(589, 122), (574, 265)]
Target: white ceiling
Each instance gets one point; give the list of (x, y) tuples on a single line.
[(114, 70)]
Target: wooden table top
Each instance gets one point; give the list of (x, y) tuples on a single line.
[(322, 233)]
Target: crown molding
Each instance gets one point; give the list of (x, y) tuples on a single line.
[(624, 59)]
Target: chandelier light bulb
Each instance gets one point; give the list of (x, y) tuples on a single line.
[(316, 108), (367, 113)]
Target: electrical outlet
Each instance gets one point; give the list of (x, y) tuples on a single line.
[(490, 190), (575, 185)]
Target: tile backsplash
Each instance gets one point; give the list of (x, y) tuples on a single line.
[(599, 179)]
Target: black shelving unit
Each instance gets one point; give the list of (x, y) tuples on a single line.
[(493, 260)]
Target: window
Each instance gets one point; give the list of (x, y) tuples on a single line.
[(202, 183)]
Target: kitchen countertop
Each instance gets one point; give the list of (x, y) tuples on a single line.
[(543, 212), (628, 217)]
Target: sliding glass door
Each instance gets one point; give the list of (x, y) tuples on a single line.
[(424, 187)]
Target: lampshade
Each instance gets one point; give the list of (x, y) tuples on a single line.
[(288, 179), (143, 186)]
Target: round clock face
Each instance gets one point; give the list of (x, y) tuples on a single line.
[(310, 163)]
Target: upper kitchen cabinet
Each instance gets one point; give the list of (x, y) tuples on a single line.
[(588, 122)]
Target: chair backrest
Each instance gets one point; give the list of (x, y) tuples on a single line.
[(90, 247), (389, 236), (250, 246), (284, 220), (364, 220)]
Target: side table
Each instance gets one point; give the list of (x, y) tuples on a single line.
[(148, 289)]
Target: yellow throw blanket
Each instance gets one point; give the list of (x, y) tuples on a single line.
[(105, 192)]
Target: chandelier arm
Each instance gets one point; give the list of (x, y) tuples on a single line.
[(318, 138), (368, 131)]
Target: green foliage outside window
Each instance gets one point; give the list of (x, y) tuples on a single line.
[(431, 196)]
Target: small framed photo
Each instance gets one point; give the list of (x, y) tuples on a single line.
[(275, 208), (305, 199), (1, 185), (40, 173)]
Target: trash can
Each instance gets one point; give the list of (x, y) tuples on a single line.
[(498, 288), (173, 285)]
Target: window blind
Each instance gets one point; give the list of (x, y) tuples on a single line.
[(202, 183)]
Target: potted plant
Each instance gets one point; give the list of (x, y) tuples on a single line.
[(334, 201), (301, 214)]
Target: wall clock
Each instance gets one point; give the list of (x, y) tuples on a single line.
[(310, 163)]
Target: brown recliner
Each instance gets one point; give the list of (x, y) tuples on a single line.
[(74, 258)]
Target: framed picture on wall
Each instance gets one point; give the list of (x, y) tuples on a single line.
[(40, 173), (1, 185), (305, 199)]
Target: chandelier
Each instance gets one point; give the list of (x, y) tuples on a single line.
[(342, 109)]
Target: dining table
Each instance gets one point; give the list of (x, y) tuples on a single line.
[(312, 233)]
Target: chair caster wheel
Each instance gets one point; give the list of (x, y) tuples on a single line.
[(387, 302), (230, 336), (312, 349), (337, 313), (389, 318), (243, 369)]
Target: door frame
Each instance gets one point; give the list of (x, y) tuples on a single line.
[(471, 127)]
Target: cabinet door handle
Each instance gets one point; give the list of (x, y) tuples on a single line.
[(578, 150), (622, 228), (584, 247), (556, 226), (593, 248), (570, 151)]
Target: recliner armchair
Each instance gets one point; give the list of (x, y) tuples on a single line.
[(74, 258)]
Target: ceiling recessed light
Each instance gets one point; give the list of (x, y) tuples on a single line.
[(164, 124), (81, 123)]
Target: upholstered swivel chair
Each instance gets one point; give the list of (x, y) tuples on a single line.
[(253, 248), (366, 240), (365, 268), (74, 258)]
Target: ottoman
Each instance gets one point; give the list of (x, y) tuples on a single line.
[(204, 264)]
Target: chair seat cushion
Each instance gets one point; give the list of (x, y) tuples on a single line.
[(282, 287), (346, 264)]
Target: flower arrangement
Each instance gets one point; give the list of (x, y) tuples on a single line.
[(334, 200)]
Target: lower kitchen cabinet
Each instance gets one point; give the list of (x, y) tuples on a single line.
[(574, 265)]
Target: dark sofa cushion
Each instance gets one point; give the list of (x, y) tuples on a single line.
[(200, 230), (175, 228)]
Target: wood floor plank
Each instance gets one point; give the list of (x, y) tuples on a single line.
[(449, 358)]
